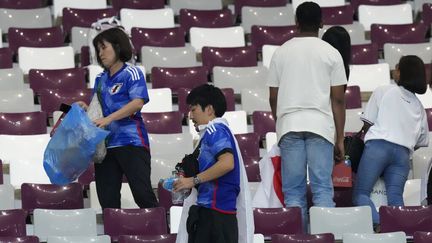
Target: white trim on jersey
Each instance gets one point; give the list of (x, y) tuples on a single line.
[(133, 72), (211, 129)]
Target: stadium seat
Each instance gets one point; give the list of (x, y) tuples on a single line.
[(252, 168), (393, 52), (23, 123), (69, 79), (21, 239), (356, 3), (59, 5), (126, 200), (237, 121), (229, 57), (422, 237), (322, 3), (239, 78), (175, 213), (200, 37), (79, 239), (177, 5), (21, 4), (271, 139), (163, 238), (408, 219), (147, 18), (51, 100), (164, 196), (160, 100), (5, 58), (267, 54), (205, 18), (45, 58), (170, 146), (163, 122), (353, 97), (263, 122), (161, 37), (371, 14), (300, 238), (370, 76), (133, 4), (269, 221), (338, 15), (255, 100), (249, 144), (355, 30), (267, 16), (11, 78), (176, 78), (364, 54), (83, 17), (17, 101), (271, 35), (398, 33), (394, 237), (7, 196), (35, 37), (168, 57), (25, 18), (238, 4), (13, 223)]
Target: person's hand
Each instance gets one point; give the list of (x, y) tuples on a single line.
[(183, 183), (102, 122), (339, 152), (82, 104)]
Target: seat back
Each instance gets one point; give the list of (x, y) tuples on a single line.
[(25, 123), (422, 237), (408, 219), (7, 195), (267, 54), (5, 58), (13, 222), (299, 238), (263, 122), (163, 238), (176, 78), (267, 16), (321, 3), (177, 5), (59, 5), (200, 37), (237, 121), (398, 33), (205, 18), (249, 144), (239, 78), (160, 101), (338, 15), (147, 18), (364, 54), (355, 30), (162, 37), (84, 17), (394, 237), (175, 216), (255, 100), (269, 221), (61, 79), (369, 77), (229, 57), (393, 52), (25, 18), (127, 200), (370, 14), (51, 100), (11, 78), (79, 239), (35, 37), (45, 58), (168, 57), (271, 35), (163, 122), (17, 101), (238, 4), (20, 239), (353, 97), (21, 4), (143, 4)]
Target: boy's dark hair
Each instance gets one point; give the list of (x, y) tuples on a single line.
[(308, 15), (119, 41), (338, 37), (412, 74), (205, 95)]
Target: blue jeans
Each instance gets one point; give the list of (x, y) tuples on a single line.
[(300, 150), (381, 157)]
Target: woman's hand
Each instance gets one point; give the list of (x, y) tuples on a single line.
[(183, 183), (82, 104), (102, 122)]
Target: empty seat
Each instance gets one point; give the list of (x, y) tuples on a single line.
[(322, 3), (49, 196), (17, 101), (170, 146), (162, 37), (25, 18), (426, 14), (255, 100), (408, 219), (299, 238), (327, 220), (176, 78), (79, 239), (249, 144), (355, 30), (184, 109), (163, 238), (45, 58), (148, 221), (160, 100), (412, 194), (364, 54), (168, 57), (59, 5), (163, 122), (11, 78), (21, 239), (271, 35), (267, 16), (51, 100), (27, 171), (271, 139), (237, 121), (175, 213), (13, 222), (7, 195), (263, 122), (422, 237), (394, 237), (143, 4), (252, 168), (200, 37), (269, 221), (356, 3), (126, 200), (205, 18), (5, 58), (393, 52), (80, 17), (69, 79), (267, 54), (21, 4), (35, 37), (353, 97), (64, 222), (12, 147), (24, 123), (368, 77), (398, 33), (239, 78), (229, 57), (147, 18), (337, 15), (177, 5), (370, 14), (238, 4)]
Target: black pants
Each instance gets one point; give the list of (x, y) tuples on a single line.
[(211, 226), (132, 161)]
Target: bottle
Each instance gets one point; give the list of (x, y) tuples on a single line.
[(168, 183), (347, 161)]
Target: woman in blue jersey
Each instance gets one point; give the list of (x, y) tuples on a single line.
[(122, 92)]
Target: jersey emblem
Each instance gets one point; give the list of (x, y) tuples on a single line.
[(116, 88)]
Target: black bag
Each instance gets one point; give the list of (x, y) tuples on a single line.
[(354, 146), (189, 164)]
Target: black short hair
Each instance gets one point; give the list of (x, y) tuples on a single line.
[(412, 74), (339, 38), (118, 39), (308, 15), (205, 95)]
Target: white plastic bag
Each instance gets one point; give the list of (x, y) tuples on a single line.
[(94, 112)]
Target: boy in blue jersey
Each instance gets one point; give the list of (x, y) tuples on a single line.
[(122, 92), (218, 179)]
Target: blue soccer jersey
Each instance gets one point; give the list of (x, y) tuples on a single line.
[(117, 91), (219, 194)]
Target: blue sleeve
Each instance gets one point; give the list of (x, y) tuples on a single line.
[(220, 142), (137, 87)]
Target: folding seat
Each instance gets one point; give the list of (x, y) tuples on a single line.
[(327, 220), (355, 30), (353, 97), (21, 4), (229, 57), (271, 139), (239, 78), (252, 168), (413, 194), (370, 76), (160, 100), (338, 15), (267, 16), (5, 58), (426, 99), (255, 100), (21, 239), (12, 147), (35, 37), (17, 101), (83, 17), (161, 37), (322, 3), (45, 58), (393, 52), (269, 221), (1, 172), (170, 146), (79, 239), (163, 122), (394, 237), (263, 122), (11, 79), (126, 200), (177, 5), (426, 15), (133, 4), (87, 177), (210, 37), (364, 54), (27, 171), (59, 5), (69, 79), (163, 238), (398, 33), (175, 213), (49, 196), (205, 18), (145, 221), (51, 100), (237, 121), (408, 219), (168, 57), (64, 222), (267, 54), (357, 3), (147, 18), (12, 223), (238, 4), (23, 123), (271, 35), (422, 237), (25, 18), (176, 78), (249, 144), (7, 195), (299, 238), (370, 14)]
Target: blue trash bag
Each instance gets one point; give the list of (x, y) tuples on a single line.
[(71, 148)]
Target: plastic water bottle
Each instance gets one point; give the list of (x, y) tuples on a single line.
[(347, 161), (168, 183)]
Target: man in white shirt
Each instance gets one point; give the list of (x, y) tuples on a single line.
[(306, 80)]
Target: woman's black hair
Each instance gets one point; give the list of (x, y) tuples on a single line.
[(412, 74), (338, 37), (119, 41), (205, 95)]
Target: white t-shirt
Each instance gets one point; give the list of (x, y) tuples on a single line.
[(397, 116), (304, 69)]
